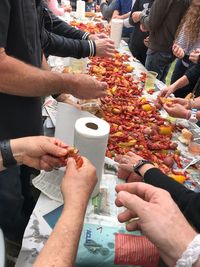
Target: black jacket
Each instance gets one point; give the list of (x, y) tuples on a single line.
[(162, 22), (187, 200), (136, 42), (60, 39)]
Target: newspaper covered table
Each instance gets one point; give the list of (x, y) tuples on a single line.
[(102, 233), (101, 217)]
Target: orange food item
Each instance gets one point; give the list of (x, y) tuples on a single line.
[(165, 130), (73, 153), (165, 100), (179, 178), (147, 107)]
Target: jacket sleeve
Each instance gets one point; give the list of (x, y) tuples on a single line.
[(57, 45), (157, 14), (193, 73), (107, 10), (55, 25), (187, 200), (134, 8)]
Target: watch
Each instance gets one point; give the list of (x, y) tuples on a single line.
[(140, 163), (193, 117)]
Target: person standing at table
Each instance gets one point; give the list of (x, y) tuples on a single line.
[(162, 23), (187, 41), (107, 8), (61, 39), (22, 85), (122, 11), (136, 41)]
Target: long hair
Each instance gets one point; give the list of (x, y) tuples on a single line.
[(190, 23)]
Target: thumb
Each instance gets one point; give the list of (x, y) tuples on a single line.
[(132, 202), (71, 166)]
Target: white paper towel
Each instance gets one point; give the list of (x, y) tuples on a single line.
[(91, 137), (65, 121), (80, 9), (116, 31)]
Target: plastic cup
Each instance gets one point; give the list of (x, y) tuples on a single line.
[(194, 147), (78, 65), (150, 80)]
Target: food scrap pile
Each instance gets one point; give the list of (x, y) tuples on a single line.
[(135, 123)]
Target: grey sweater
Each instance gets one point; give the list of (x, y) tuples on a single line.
[(162, 22)]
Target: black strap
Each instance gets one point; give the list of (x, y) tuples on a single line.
[(7, 155)]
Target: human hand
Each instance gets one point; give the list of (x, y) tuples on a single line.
[(182, 101), (176, 110), (86, 87), (178, 51), (195, 56), (40, 152), (146, 41), (105, 48), (159, 218), (167, 91), (97, 8), (142, 28), (78, 184), (136, 16), (125, 168)]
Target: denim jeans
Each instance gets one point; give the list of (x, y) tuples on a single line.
[(13, 216), (159, 62), (178, 72)]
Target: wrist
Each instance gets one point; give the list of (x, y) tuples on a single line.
[(18, 150), (145, 168)]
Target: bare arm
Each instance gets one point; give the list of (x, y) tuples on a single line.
[(18, 78), (61, 247)]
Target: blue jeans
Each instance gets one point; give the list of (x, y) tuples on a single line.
[(178, 72), (159, 62), (13, 214)]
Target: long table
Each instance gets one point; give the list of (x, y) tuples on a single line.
[(101, 212)]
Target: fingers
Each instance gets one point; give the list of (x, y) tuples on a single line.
[(71, 166), (126, 216), (123, 174), (133, 225), (52, 161), (132, 202), (51, 147), (140, 189)]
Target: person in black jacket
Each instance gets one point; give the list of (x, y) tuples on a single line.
[(191, 77), (60, 39), (187, 200), (136, 41), (162, 23)]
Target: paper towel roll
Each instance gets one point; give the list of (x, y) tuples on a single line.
[(80, 9), (116, 31), (91, 137)]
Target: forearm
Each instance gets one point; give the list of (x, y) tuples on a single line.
[(125, 16), (115, 13), (61, 247), (18, 78), (183, 81)]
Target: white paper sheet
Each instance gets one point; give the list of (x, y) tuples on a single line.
[(49, 184)]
